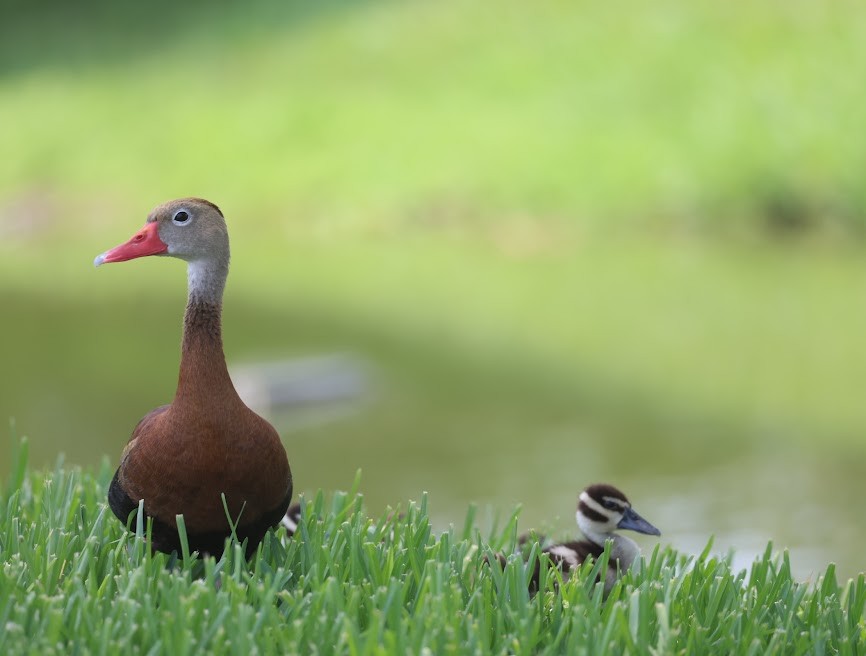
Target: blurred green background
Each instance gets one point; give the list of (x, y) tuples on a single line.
[(559, 242)]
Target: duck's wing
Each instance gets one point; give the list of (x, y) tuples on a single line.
[(565, 556), (572, 554), (119, 500)]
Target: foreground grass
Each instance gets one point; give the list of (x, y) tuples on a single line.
[(72, 581)]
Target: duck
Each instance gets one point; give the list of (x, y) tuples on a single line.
[(602, 510), (206, 455), (291, 519)]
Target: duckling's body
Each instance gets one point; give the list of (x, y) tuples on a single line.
[(183, 457)]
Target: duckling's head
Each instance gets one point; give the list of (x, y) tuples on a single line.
[(602, 509)]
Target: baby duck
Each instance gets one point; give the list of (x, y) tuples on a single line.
[(601, 510)]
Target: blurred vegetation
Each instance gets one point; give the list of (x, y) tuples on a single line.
[(680, 116), (548, 226)]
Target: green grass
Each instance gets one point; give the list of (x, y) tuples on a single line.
[(73, 581)]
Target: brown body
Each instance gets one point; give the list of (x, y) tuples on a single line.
[(182, 458)]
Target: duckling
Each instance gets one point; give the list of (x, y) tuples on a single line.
[(291, 519), (601, 510)]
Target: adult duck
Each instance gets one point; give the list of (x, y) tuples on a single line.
[(183, 457)]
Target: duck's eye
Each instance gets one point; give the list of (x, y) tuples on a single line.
[(612, 505), (180, 217)]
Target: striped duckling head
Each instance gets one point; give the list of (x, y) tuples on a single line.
[(602, 509)]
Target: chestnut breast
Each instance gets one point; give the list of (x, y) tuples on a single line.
[(181, 458)]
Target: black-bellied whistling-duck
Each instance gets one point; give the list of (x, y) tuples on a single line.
[(184, 456), (601, 511)]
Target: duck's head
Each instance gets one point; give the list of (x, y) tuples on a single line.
[(602, 509), (192, 229)]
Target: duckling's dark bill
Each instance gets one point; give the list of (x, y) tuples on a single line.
[(634, 522)]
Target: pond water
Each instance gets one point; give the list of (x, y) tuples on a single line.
[(808, 502), (416, 421)]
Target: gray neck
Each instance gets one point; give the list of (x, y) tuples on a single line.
[(207, 280), (623, 549)]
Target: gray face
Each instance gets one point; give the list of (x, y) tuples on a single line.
[(193, 229)]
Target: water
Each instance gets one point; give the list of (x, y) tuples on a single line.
[(79, 374), (807, 501), (802, 501)]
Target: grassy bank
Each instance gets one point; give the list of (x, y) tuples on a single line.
[(72, 581)]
